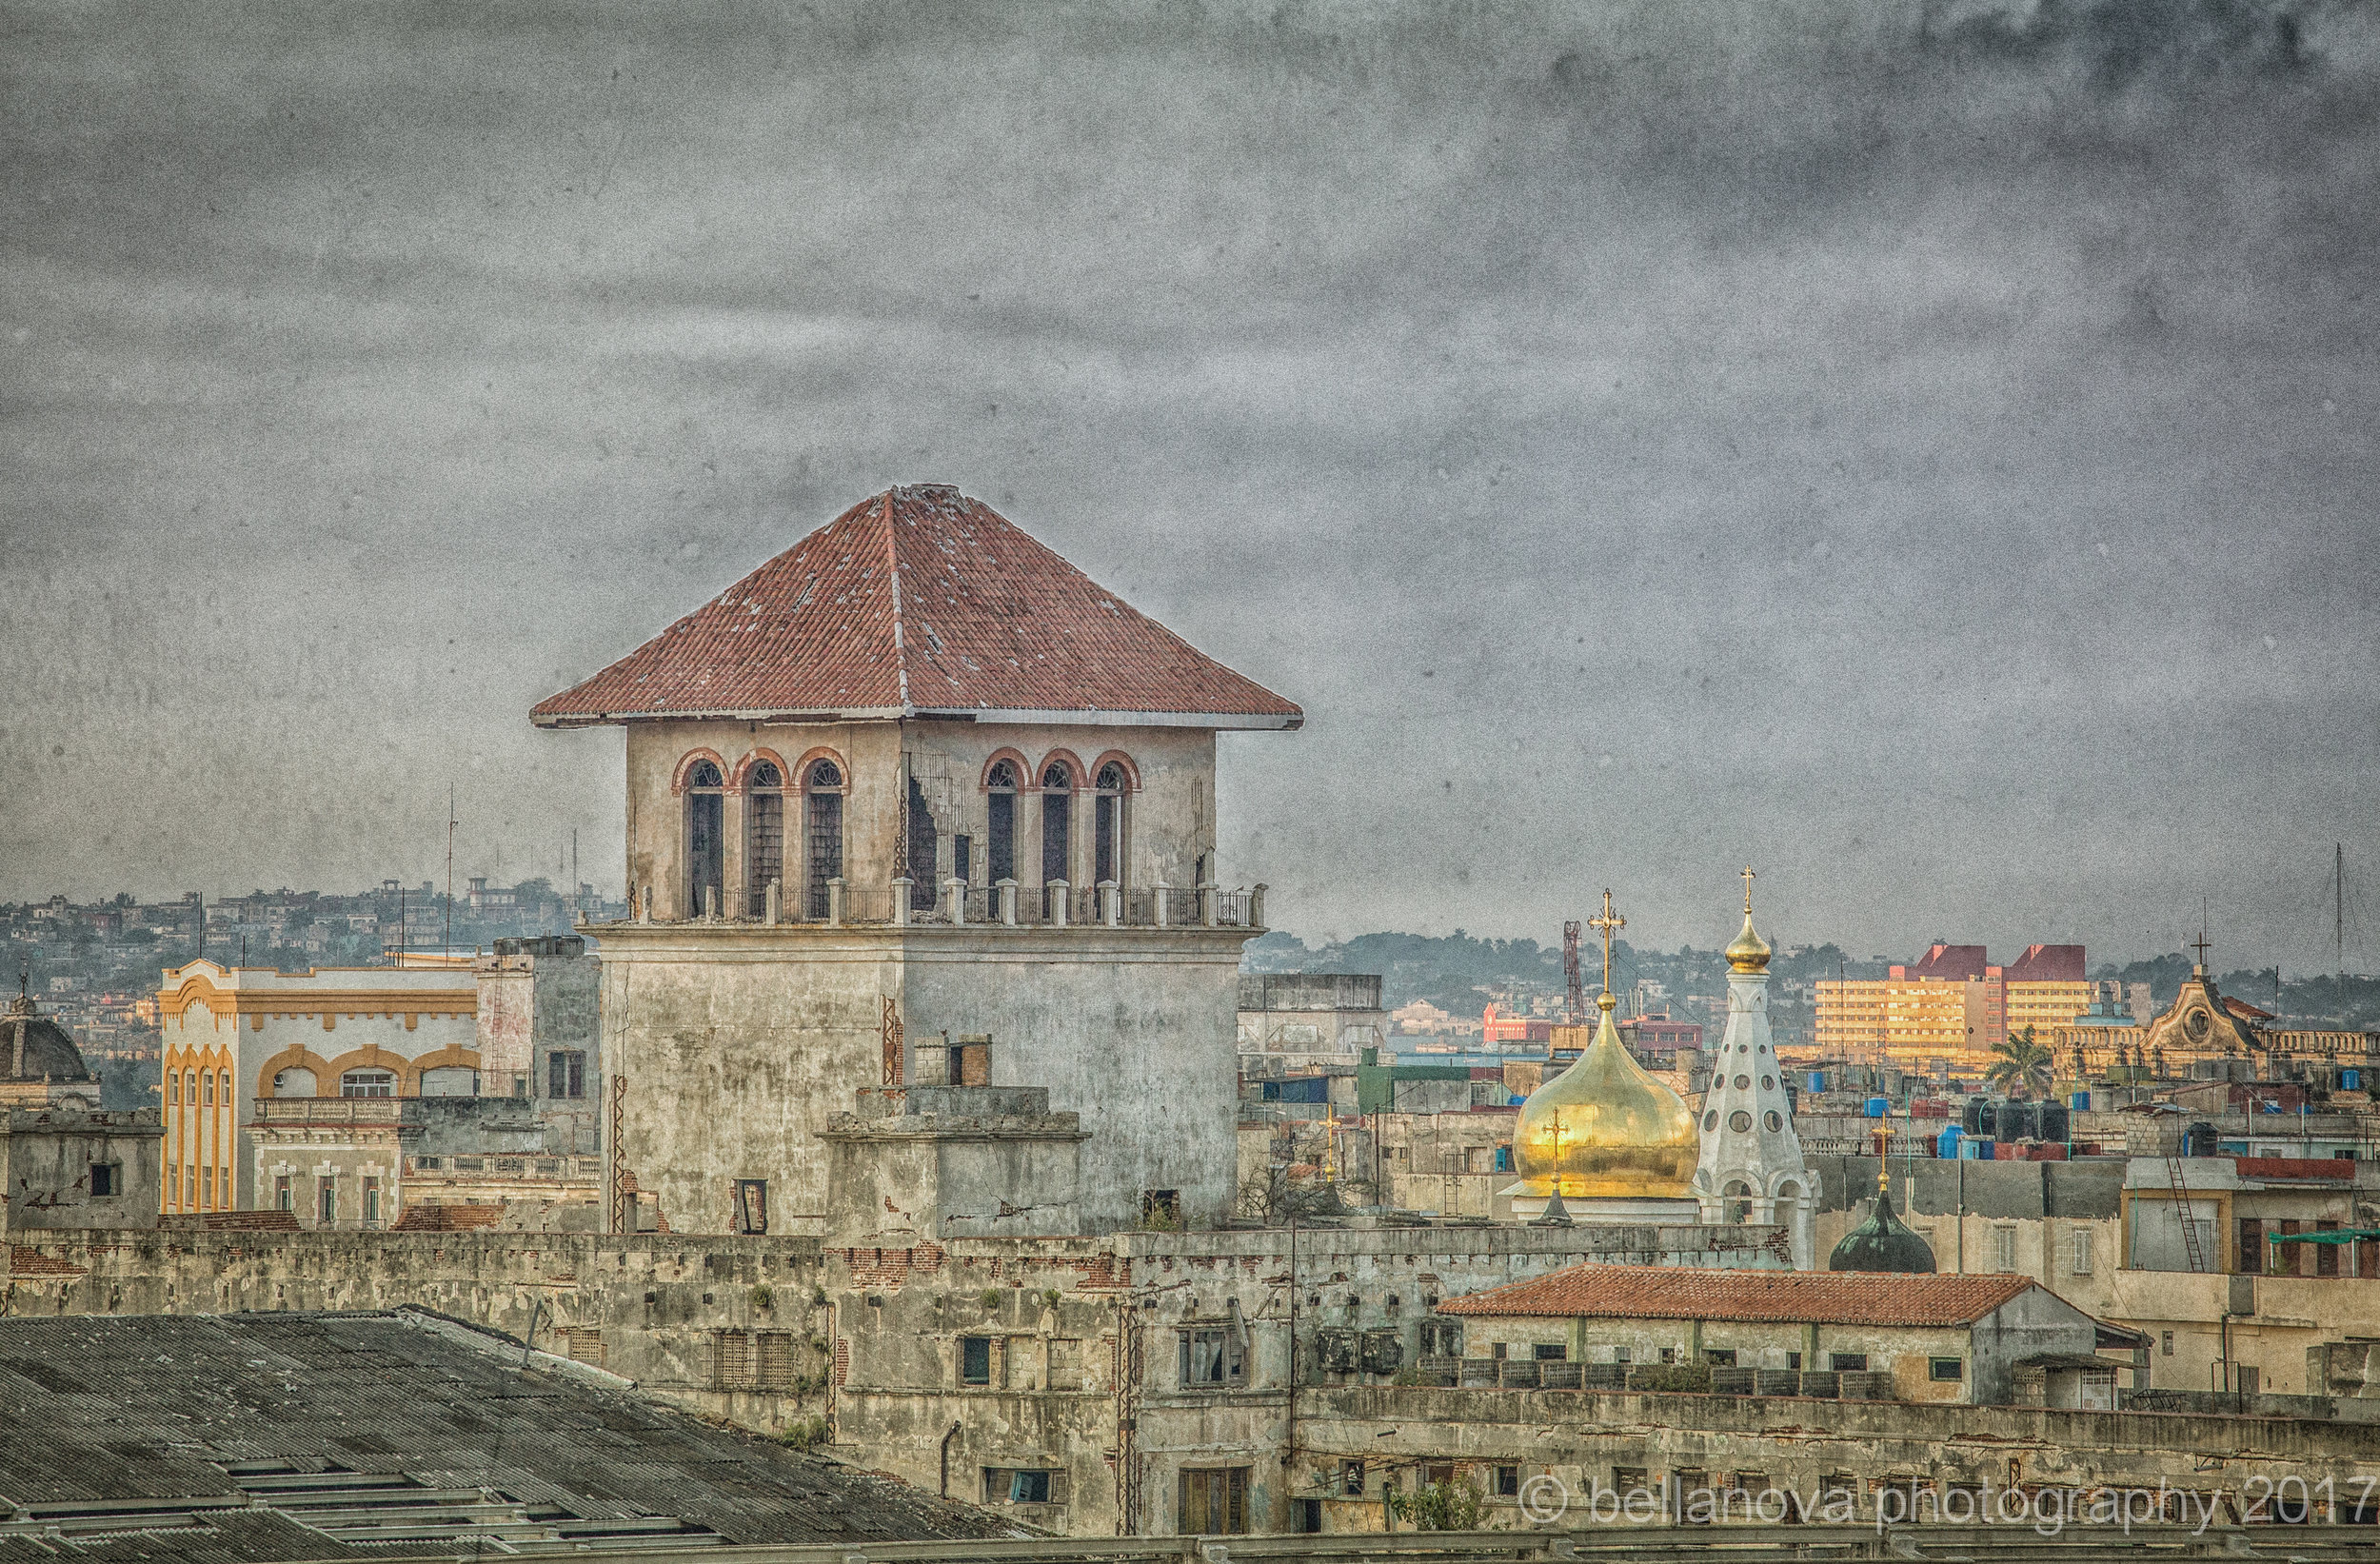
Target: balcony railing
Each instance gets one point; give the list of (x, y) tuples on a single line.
[(296, 1111), (1007, 904)]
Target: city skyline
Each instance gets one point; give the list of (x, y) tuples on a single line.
[(1918, 452)]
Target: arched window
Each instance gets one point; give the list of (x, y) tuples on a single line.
[(1057, 822), (226, 1079), (1108, 825), (206, 1082), (173, 1088), (922, 843), (368, 1084), (1738, 1196), (823, 831), (1003, 822), (764, 835), (702, 803)]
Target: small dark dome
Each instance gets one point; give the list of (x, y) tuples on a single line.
[(1881, 1244), (32, 1045)]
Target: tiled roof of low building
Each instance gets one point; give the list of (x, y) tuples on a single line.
[(916, 601), (1663, 1292)]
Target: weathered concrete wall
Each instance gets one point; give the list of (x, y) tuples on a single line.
[(962, 1162), (1086, 1380), (2032, 1322), (46, 1162), (1130, 1028), (1587, 1439), (738, 1042)]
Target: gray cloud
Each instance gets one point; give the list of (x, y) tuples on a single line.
[(1922, 449)]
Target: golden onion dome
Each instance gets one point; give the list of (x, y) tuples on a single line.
[(1748, 952), (1606, 1128)]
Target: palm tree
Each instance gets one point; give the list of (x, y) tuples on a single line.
[(2021, 1061)]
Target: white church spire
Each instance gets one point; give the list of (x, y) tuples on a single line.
[(1752, 1168)]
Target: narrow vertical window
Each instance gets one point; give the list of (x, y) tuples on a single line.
[(702, 857), (764, 835), (1003, 822), (822, 830), (1057, 823), (922, 843), (963, 858), (1109, 826)]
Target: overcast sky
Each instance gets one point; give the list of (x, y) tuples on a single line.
[(1926, 452)]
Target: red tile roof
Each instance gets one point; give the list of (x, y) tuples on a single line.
[(1665, 1291), (916, 601)]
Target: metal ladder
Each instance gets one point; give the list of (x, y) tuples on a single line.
[(2181, 1210)]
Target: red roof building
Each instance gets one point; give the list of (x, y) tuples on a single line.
[(920, 602), (2048, 964)]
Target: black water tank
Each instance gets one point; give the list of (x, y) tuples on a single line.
[(1988, 1121), (2053, 1122), (1970, 1117), (2198, 1140), (2016, 1122)]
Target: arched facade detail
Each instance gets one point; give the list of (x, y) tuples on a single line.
[(739, 778), (798, 775), (1025, 774), (1116, 758), (688, 761), (1080, 780), (452, 1057), (369, 1057), (295, 1058)]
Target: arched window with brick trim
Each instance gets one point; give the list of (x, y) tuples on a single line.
[(763, 833), (1001, 848), (1057, 822), (704, 801), (1107, 825), (822, 830)]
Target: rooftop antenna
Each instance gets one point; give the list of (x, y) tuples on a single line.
[(445, 937), (2338, 903), (400, 924)]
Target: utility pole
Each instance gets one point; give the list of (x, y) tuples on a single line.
[(2338, 903)]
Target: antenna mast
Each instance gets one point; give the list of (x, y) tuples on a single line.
[(445, 937), (2338, 902)]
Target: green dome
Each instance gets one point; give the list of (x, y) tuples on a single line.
[(1881, 1244)]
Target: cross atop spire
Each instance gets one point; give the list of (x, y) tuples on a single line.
[(1748, 877), (2199, 945), (1607, 926)]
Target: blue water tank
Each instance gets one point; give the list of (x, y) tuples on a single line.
[(2351, 1081), (1877, 1107), (1818, 1080), (2079, 1101), (1946, 1144)]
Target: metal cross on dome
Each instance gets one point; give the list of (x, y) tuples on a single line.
[(1607, 924), (2199, 945), (1749, 877)]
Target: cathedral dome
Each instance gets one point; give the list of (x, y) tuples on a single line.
[(1881, 1244), (1606, 1128), (34, 1047)]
